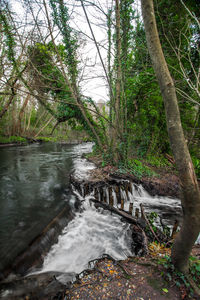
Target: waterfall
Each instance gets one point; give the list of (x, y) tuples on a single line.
[(128, 196), (88, 236)]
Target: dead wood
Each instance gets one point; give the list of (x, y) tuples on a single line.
[(121, 213), (148, 223)]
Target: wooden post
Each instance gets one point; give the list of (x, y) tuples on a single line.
[(130, 187), (122, 203), (131, 208), (137, 212), (126, 184), (101, 194), (117, 191), (96, 194), (174, 230), (111, 200), (104, 196), (85, 189)]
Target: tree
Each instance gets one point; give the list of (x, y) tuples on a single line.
[(191, 194)]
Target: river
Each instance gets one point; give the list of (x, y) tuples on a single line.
[(34, 185)]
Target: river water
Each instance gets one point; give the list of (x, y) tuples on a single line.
[(34, 186)]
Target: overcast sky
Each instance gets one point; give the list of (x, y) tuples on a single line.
[(92, 81)]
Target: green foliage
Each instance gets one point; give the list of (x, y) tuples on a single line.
[(180, 279), (138, 169), (8, 36), (47, 139), (53, 82), (195, 269), (196, 163), (144, 134), (157, 161), (152, 218), (62, 19), (12, 139)]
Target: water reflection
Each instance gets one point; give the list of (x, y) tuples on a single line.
[(34, 185)]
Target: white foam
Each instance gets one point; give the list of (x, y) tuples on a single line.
[(88, 236)]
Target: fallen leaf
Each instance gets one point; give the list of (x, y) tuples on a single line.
[(105, 284), (128, 292), (119, 284)]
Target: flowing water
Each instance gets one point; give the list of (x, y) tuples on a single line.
[(34, 186), (88, 236)]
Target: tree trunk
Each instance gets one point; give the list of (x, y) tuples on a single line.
[(29, 118), (119, 71), (190, 189), (72, 86), (45, 125), (8, 103), (116, 131), (21, 114), (109, 24), (6, 106)]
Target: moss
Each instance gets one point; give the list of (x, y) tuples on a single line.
[(12, 139)]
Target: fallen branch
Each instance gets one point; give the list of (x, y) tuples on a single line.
[(148, 223), (121, 213)]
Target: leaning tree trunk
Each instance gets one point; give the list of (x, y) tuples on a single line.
[(190, 189)]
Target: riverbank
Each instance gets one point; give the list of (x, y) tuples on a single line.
[(157, 177), (135, 278), (23, 141)]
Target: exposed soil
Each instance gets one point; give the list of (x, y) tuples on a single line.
[(134, 278)]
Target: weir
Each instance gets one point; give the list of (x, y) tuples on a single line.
[(127, 196), (123, 195), (84, 231)]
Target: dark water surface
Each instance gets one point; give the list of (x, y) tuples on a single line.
[(34, 185)]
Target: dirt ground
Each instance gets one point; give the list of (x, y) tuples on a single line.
[(135, 279)]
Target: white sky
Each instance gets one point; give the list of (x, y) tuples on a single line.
[(93, 83)]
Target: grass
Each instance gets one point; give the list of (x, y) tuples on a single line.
[(47, 139), (12, 139)]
